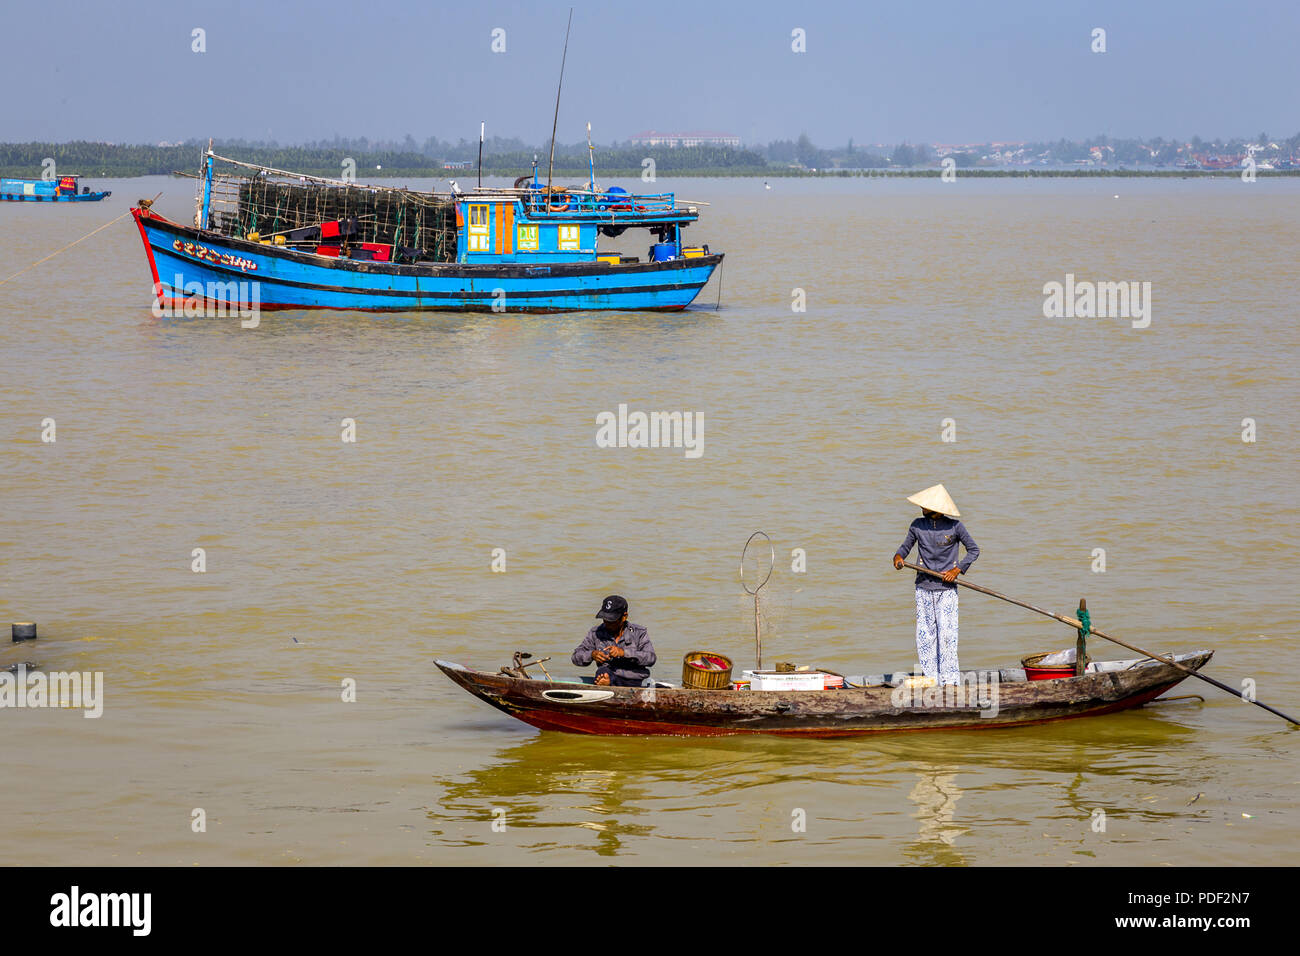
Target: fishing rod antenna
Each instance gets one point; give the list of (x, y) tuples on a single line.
[(550, 168)]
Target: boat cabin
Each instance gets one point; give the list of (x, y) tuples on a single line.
[(520, 226)]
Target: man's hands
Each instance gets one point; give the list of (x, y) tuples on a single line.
[(601, 657), (898, 563)]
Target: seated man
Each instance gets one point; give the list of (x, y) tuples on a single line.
[(622, 651)]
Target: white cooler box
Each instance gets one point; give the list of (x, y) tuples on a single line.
[(785, 680)]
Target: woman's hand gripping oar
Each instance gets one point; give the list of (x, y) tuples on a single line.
[(1077, 624)]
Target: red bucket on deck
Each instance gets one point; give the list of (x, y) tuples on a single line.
[(1036, 671)]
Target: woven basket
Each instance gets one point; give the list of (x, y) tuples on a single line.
[(697, 679)]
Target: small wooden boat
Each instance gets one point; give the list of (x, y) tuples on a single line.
[(985, 700)]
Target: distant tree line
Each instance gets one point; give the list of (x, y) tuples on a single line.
[(512, 157), (114, 161)]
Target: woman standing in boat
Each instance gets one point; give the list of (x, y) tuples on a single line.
[(938, 537)]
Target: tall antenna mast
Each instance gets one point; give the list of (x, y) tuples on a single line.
[(550, 168)]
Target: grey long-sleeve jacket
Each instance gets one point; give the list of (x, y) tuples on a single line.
[(937, 543), (638, 653)]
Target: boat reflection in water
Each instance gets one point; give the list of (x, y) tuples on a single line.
[(547, 793), (936, 794), (895, 800)]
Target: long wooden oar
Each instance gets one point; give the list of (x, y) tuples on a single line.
[(1078, 625)]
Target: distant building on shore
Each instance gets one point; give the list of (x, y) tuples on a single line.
[(675, 140)]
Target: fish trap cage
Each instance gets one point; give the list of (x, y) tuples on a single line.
[(422, 225)]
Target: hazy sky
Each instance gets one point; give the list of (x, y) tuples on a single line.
[(922, 72)]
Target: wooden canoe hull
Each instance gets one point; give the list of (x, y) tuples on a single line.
[(635, 711)]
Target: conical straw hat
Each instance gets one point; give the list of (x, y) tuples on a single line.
[(936, 498)]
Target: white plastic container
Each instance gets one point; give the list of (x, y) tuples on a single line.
[(785, 680)]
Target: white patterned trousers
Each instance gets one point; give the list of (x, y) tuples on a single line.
[(936, 634)]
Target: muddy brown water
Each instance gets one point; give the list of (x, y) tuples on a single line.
[(329, 561)]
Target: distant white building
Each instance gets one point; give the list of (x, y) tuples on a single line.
[(674, 140)]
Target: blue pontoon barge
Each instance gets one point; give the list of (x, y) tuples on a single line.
[(63, 189), (312, 243)]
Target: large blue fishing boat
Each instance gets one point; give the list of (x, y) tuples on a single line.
[(304, 242), (63, 189)]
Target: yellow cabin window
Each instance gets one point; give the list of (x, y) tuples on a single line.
[(477, 236), (568, 237), (527, 241)]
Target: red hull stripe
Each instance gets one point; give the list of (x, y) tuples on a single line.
[(153, 266), (572, 723)]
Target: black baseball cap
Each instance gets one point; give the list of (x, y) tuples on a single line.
[(612, 608)]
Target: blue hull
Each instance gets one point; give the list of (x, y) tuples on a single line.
[(183, 258), (81, 197)]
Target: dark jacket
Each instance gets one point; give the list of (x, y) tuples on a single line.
[(638, 653), (937, 543)]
